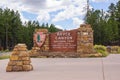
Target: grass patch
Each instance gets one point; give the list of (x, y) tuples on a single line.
[(4, 51), (4, 57)]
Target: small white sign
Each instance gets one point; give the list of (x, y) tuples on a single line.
[(85, 33)]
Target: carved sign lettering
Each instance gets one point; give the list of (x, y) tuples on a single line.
[(63, 41)]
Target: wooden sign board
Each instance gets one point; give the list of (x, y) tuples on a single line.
[(63, 41), (39, 38)]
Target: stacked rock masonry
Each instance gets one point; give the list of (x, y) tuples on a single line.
[(85, 39), (45, 46), (19, 59), (36, 50)]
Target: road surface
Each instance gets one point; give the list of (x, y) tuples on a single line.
[(67, 69)]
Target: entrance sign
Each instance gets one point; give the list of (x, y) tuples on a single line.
[(63, 41), (70, 43), (39, 38)]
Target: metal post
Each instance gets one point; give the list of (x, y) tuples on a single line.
[(87, 11), (87, 7)]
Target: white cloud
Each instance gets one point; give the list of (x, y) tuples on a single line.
[(59, 27), (77, 21), (12, 4), (53, 3), (100, 0), (43, 16), (3, 3), (74, 9), (103, 0)]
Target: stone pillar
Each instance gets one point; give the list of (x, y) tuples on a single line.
[(45, 46), (36, 50), (19, 59), (85, 39)]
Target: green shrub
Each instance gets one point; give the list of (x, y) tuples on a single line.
[(101, 49), (115, 49), (7, 50), (119, 50)]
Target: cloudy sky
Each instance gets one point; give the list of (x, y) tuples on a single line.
[(65, 14)]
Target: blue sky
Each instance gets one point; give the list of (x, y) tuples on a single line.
[(65, 14)]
